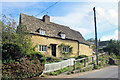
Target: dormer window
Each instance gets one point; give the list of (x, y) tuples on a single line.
[(63, 36), (42, 32)]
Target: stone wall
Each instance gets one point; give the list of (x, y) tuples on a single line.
[(40, 40), (85, 50)]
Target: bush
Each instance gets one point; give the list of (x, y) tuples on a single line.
[(11, 52), (113, 55), (23, 69), (36, 55), (69, 73), (81, 56), (52, 59)]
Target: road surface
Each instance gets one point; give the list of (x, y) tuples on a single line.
[(108, 72)]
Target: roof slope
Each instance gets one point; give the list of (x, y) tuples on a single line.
[(52, 29)]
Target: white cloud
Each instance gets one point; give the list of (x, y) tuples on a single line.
[(84, 22), (109, 16), (77, 21), (83, 31), (108, 37), (72, 19)]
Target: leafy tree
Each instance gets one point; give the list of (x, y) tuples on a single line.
[(14, 42), (91, 40), (113, 48), (17, 51)]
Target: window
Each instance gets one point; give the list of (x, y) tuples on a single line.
[(42, 48), (63, 36), (65, 49), (42, 32)]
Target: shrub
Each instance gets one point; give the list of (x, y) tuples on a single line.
[(36, 55), (52, 59), (81, 56), (23, 69), (113, 55), (69, 73), (11, 52)]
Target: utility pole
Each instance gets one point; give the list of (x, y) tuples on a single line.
[(95, 35)]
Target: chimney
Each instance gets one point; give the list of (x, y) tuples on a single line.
[(46, 19)]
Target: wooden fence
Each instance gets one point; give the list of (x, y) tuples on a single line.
[(58, 65), (90, 60), (86, 63)]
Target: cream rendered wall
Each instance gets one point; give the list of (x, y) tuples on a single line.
[(85, 50), (40, 40)]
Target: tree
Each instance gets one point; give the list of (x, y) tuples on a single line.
[(113, 48), (14, 42)]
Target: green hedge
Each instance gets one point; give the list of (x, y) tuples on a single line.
[(11, 52), (27, 67)]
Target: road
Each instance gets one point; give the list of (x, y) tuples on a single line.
[(108, 72)]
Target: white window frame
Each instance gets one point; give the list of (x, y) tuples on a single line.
[(43, 48), (63, 36), (65, 49), (42, 32)]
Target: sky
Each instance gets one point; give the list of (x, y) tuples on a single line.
[(78, 15)]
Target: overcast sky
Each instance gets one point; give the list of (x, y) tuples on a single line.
[(78, 15)]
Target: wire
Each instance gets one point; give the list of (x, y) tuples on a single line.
[(48, 8)]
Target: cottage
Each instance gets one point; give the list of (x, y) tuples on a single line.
[(53, 39)]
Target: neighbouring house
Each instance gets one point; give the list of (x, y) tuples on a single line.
[(53, 39)]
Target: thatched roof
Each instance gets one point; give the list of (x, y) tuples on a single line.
[(51, 29)]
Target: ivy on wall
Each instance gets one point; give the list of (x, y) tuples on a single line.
[(70, 48)]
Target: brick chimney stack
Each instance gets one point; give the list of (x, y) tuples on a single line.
[(46, 19)]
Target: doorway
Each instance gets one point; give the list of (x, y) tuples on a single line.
[(53, 49)]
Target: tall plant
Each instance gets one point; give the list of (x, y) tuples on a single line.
[(12, 38)]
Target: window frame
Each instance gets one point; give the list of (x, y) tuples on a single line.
[(63, 36), (42, 32), (65, 49), (43, 48)]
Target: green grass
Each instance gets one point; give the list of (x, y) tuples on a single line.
[(58, 71)]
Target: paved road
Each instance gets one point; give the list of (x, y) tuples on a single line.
[(108, 72)]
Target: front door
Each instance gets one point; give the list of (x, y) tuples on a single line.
[(53, 50)]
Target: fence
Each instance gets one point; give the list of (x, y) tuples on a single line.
[(58, 65), (85, 62), (72, 62)]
